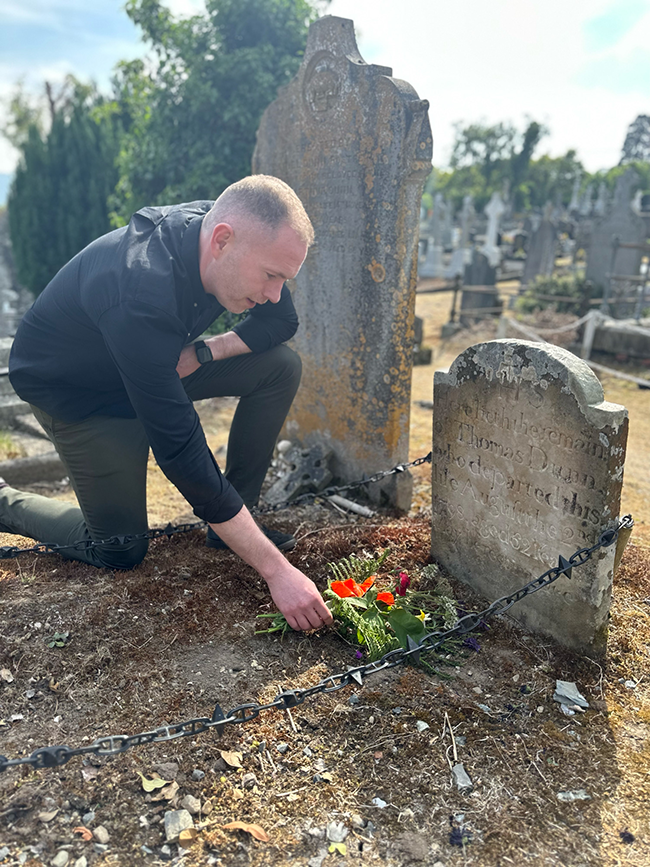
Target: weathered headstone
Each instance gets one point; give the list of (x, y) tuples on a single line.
[(528, 465), (574, 204), (622, 224), (480, 297), (586, 203), (540, 259), (600, 208), (355, 144)]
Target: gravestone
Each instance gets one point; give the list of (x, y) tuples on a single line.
[(494, 211), (480, 296), (620, 223), (574, 204), (355, 144), (432, 265), (586, 203), (462, 256), (528, 465), (600, 208), (540, 259)]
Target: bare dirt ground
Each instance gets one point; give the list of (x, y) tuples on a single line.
[(164, 642)]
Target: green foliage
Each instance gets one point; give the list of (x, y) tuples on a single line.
[(58, 199), (486, 159), (357, 568), (573, 288), (194, 113)]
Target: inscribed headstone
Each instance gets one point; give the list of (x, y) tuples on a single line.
[(527, 465), (620, 223), (355, 144)]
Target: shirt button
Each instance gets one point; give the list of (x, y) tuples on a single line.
[(188, 333), (195, 304)]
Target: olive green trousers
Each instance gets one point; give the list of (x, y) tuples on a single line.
[(105, 459)]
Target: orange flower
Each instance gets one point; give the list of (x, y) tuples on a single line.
[(386, 597), (350, 587)]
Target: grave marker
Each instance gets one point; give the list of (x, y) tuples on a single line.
[(355, 144), (540, 258), (623, 223), (528, 465)]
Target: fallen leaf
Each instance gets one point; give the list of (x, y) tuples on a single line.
[(327, 777), (47, 817), (6, 675), (167, 793), (237, 794), (85, 833), (187, 837), (232, 758), (254, 830), (150, 785), (341, 848)]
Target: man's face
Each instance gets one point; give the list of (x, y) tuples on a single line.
[(249, 266)]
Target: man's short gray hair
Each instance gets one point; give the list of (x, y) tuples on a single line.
[(267, 200)]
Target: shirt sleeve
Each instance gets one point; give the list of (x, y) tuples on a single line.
[(145, 344), (268, 325)]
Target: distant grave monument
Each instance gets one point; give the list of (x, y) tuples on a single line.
[(480, 296), (355, 144), (462, 255), (433, 265), (527, 465), (623, 224), (540, 258)]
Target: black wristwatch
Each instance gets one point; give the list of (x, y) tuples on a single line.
[(203, 353)]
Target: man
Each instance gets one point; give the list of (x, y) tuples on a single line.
[(106, 359)]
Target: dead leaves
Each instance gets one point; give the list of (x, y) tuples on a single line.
[(254, 830), (187, 837), (232, 758), (155, 783)]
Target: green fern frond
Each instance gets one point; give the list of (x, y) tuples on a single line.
[(357, 568)]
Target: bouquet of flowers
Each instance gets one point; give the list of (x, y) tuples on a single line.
[(380, 614)]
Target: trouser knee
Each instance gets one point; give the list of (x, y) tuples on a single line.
[(123, 557), (287, 364)]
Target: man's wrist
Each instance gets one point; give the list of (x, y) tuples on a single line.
[(204, 354)]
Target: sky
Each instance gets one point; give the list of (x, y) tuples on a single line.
[(581, 67)]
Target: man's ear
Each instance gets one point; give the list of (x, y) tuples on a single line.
[(222, 235)]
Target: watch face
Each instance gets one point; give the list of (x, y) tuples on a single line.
[(203, 354)]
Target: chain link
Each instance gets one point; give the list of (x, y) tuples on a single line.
[(112, 745), (11, 551)]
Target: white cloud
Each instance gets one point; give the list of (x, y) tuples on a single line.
[(501, 61)]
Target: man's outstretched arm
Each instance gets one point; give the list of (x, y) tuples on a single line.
[(295, 595)]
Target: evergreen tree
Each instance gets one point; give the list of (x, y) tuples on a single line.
[(637, 141), (58, 199)]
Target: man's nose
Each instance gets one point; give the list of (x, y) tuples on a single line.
[(273, 291)]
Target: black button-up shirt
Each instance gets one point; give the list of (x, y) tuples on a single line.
[(105, 336)]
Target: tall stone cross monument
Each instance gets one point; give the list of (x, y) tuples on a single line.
[(494, 210), (355, 144)]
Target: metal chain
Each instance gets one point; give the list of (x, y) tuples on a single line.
[(112, 745), (11, 551)]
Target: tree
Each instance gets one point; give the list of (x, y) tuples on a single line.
[(58, 199), (195, 112), (637, 141)]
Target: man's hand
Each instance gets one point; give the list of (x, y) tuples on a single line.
[(296, 596), (221, 346), (299, 600)]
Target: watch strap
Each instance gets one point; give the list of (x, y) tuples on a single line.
[(203, 353)]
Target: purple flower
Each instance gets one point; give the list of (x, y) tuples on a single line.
[(359, 654), (473, 643)]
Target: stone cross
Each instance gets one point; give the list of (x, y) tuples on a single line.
[(494, 210), (355, 144), (527, 465)]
